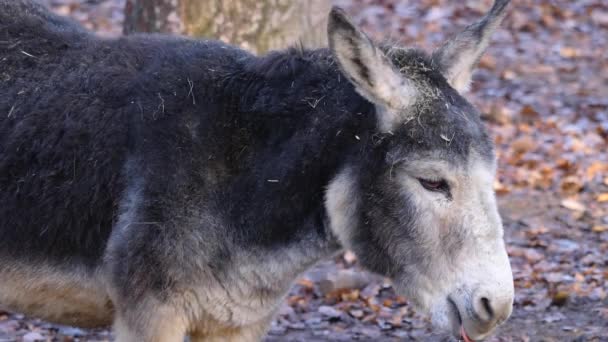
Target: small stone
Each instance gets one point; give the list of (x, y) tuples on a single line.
[(402, 334), (370, 291), (329, 311), (350, 257), (276, 329), (33, 337), (71, 331), (383, 324), (313, 321), (371, 333), (564, 245), (297, 326), (554, 317), (9, 326), (356, 313)]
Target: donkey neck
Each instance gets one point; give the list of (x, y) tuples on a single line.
[(291, 134)]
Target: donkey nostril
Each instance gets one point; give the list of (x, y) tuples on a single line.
[(485, 302)]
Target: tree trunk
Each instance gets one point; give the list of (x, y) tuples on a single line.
[(151, 16), (257, 25)]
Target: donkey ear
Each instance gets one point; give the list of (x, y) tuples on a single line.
[(457, 57), (371, 72)]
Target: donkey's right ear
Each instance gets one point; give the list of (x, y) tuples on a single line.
[(370, 71)]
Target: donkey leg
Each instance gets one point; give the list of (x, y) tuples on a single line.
[(150, 323), (249, 333)]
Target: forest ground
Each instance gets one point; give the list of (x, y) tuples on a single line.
[(543, 91)]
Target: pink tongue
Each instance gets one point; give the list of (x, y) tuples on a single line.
[(464, 335)]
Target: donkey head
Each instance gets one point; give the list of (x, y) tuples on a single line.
[(420, 207)]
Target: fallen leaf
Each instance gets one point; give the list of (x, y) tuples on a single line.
[(568, 52), (573, 205), (560, 298), (529, 113), (595, 168), (388, 303), (571, 185), (350, 295), (602, 197), (508, 75), (306, 283), (356, 313), (523, 144), (500, 188), (554, 317), (599, 229), (487, 61), (329, 311), (533, 255)]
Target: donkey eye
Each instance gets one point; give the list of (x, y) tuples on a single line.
[(435, 185)]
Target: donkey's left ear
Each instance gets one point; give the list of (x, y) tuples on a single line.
[(457, 57)]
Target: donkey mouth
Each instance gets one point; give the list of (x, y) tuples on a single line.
[(464, 335), (458, 326)]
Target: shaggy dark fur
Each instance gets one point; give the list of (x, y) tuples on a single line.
[(255, 139), (177, 186)]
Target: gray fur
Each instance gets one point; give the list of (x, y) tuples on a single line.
[(125, 200)]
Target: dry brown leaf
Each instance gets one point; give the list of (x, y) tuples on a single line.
[(351, 295), (569, 52), (509, 75), (599, 229), (529, 113), (571, 185), (595, 168), (560, 298), (401, 300), (306, 283), (525, 128), (487, 62), (500, 188), (565, 164), (602, 197), (294, 300), (533, 255), (537, 231), (523, 144)]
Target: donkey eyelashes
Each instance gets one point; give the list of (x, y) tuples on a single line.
[(440, 185), (431, 184)]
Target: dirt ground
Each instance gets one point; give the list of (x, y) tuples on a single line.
[(543, 89)]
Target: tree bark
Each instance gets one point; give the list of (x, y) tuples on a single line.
[(257, 25), (151, 16)]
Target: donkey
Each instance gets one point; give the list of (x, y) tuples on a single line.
[(176, 187)]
